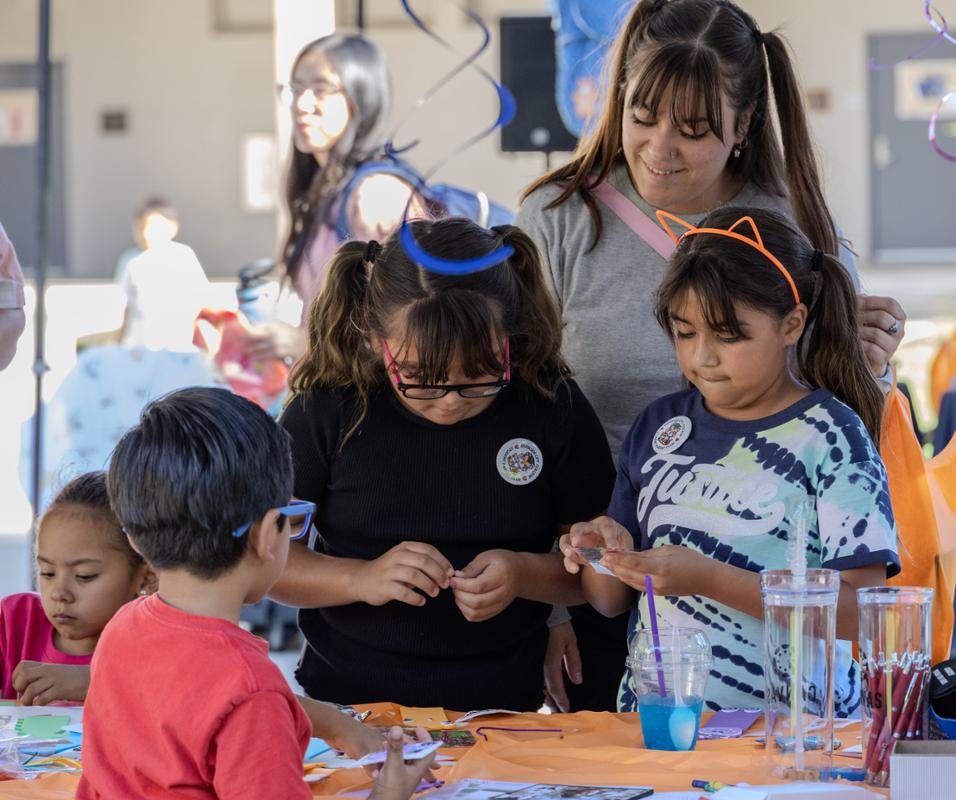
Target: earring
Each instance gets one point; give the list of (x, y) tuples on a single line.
[(741, 145)]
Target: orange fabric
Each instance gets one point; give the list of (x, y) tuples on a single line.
[(924, 505), (593, 749), (942, 371)]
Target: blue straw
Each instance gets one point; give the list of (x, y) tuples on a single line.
[(655, 634)]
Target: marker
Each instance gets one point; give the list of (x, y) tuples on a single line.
[(708, 786)]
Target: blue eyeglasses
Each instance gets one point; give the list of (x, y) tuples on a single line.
[(298, 512)]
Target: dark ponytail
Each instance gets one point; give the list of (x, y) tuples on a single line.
[(336, 325), (536, 321), (830, 352), (800, 162)]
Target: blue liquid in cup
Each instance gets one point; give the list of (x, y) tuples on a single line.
[(667, 726)]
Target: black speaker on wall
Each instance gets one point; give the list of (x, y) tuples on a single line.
[(527, 69)]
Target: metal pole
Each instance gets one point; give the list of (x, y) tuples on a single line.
[(44, 209), (360, 15)]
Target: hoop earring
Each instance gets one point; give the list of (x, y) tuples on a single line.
[(741, 145)]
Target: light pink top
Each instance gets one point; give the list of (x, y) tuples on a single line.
[(315, 258), (11, 276)]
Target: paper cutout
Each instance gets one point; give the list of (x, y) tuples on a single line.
[(426, 717), (316, 748), (411, 752), (485, 712), (46, 726)]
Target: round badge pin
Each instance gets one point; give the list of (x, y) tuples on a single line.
[(671, 435), (519, 461)]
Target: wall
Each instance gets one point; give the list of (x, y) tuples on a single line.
[(190, 94), (830, 42)]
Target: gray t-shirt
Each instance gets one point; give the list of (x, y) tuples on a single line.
[(621, 358)]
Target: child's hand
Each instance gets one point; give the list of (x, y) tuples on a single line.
[(396, 575), (355, 738), (38, 683), (398, 780), (487, 586), (601, 532), (675, 570)]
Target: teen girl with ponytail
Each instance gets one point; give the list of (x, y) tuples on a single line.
[(712, 479), (692, 94), (436, 427)]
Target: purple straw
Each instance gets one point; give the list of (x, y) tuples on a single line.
[(655, 633)]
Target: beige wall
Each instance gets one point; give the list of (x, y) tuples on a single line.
[(190, 94)]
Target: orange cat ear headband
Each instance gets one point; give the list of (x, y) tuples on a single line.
[(756, 242)]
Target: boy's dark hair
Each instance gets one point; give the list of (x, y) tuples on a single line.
[(156, 204), (200, 464), (87, 494), (723, 272)]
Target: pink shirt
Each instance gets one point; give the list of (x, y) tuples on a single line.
[(190, 707), (312, 268), (27, 635), (11, 276)]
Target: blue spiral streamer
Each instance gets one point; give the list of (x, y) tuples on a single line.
[(507, 107)]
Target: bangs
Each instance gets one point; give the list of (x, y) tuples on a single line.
[(706, 276), (458, 325), (692, 74)]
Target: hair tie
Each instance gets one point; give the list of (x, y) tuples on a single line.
[(816, 261), (372, 249), (758, 36)]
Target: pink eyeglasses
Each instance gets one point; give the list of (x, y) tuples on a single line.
[(426, 391)]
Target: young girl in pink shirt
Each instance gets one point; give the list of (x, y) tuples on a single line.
[(86, 571)]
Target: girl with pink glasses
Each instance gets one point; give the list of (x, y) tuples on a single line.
[(437, 429)]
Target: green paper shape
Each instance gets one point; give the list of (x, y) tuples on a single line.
[(43, 726)]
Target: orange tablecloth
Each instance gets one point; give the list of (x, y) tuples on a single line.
[(601, 749)]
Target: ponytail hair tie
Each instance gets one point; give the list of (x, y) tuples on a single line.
[(758, 36), (372, 249), (816, 261)]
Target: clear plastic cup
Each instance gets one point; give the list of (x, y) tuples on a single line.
[(799, 650), (670, 678), (895, 655)]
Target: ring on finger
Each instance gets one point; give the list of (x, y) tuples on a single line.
[(894, 328)]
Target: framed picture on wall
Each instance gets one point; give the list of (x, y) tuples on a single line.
[(921, 84)]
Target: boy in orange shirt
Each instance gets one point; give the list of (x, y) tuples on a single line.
[(182, 701)]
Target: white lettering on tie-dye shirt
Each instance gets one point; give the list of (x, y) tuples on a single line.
[(700, 495)]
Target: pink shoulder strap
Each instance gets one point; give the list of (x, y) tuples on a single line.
[(635, 219)]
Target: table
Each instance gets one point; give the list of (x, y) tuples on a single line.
[(593, 748)]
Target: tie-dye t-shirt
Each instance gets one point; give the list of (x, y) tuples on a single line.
[(729, 488)]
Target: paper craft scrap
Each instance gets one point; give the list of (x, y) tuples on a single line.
[(317, 748), (46, 726), (426, 717), (729, 723), (503, 790), (593, 556), (314, 773), (454, 738), (411, 752), (485, 712)]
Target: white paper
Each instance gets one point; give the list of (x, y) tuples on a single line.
[(486, 712)]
